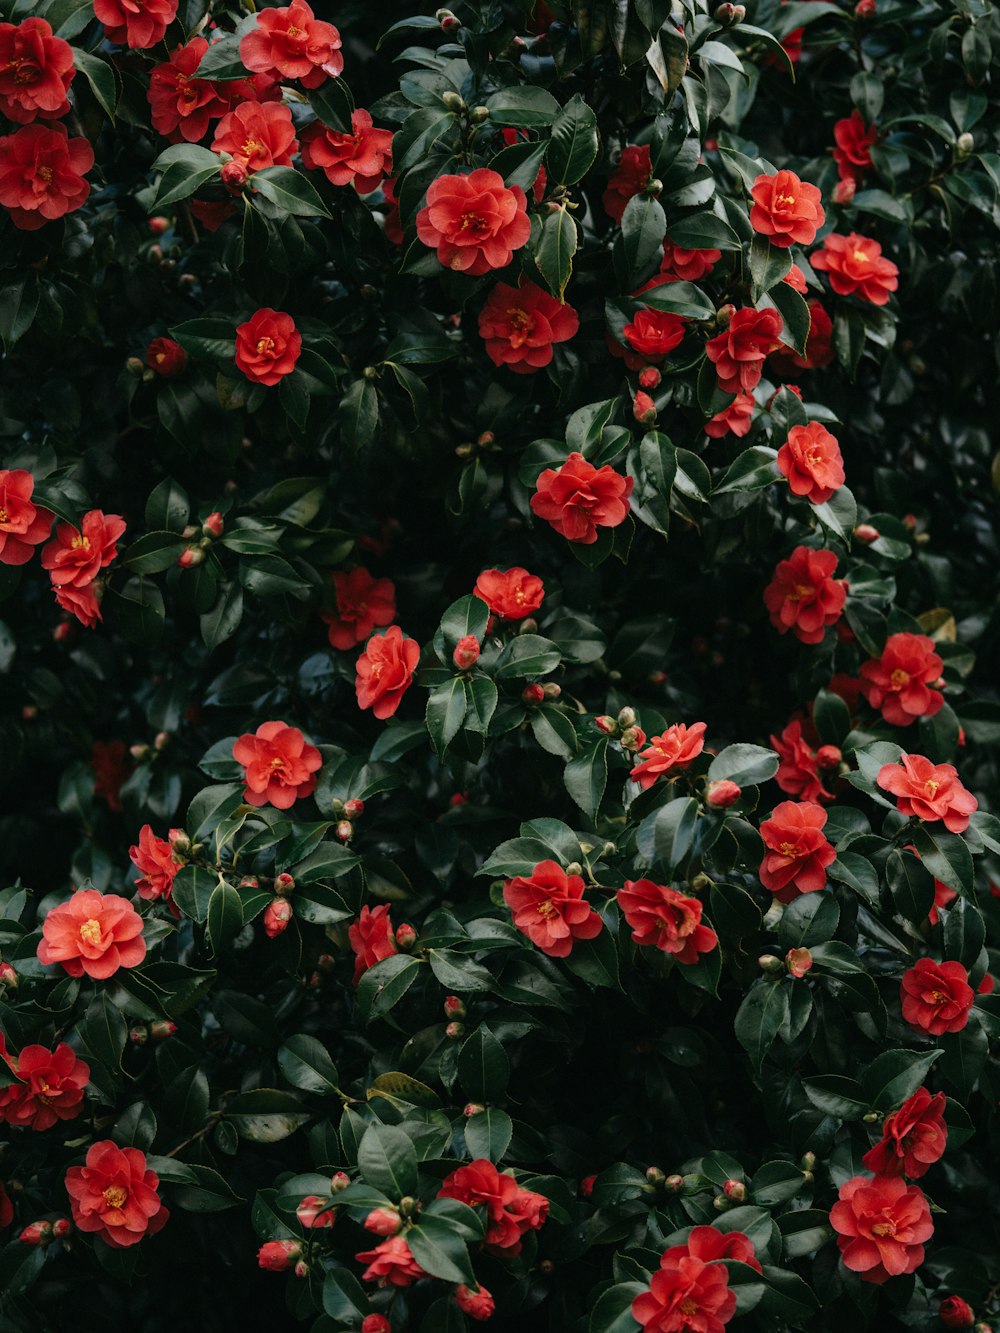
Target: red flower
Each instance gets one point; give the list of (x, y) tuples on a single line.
[(913, 1138), (111, 768), (676, 748), (510, 594), (76, 555), (956, 1313), (257, 135), (578, 498), (385, 671), (476, 1304), (706, 1243), (291, 43), (899, 681), (811, 460), (390, 1264), (155, 858), (856, 267), (139, 24), (928, 791), (819, 346), (279, 765), (42, 174), (549, 907), (50, 1088), (628, 179), (797, 852), (662, 918), (739, 351), (796, 279), (114, 1195), (520, 325), (182, 106), (167, 358), (362, 603), (653, 334), (6, 1207), (474, 222), (688, 1291), (371, 939), (94, 933), (854, 139), (361, 158), (315, 1211), (212, 213), (732, 420), (23, 525), (267, 346), (798, 773), (803, 596), (882, 1224), (936, 997), (510, 1210), (36, 69), (687, 265), (278, 1256), (785, 209), (943, 896)]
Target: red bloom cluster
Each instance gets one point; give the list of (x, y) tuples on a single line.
[(49, 1088), (652, 335), (662, 918), (390, 1264), (785, 362), (578, 498), (94, 933), (36, 69), (279, 765), (739, 351), (362, 158), (899, 682), (385, 671), (881, 1226), (114, 1196), (521, 324), (674, 749), (913, 1138), (363, 602), (928, 791), (549, 907), (856, 267), (75, 557), (797, 850), (372, 939), (803, 596), (734, 419), (510, 1210), (474, 222), (166, 358), (511, 594)]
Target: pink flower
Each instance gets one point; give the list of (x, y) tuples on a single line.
[(93, 933)]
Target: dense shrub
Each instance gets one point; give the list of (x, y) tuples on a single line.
[(499, 640)]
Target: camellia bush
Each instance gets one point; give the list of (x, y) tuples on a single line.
[(499, 632)]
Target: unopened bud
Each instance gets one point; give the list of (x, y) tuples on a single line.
[(344, 831), (249, 882), (383, 1222), (550, 691), (871, 1117), (61, 1228), (406, 937), (807, 1162), (455, 1031), (161, 740), (626, 717), (8, 976), (768, 963), (158, 225), (277, 915), (453, 101), (606, 724), (721, 1203), (632, 738), (724, 314), (532, 694), (798, 961), (722, 794), (214, 525), (479, 114), (354, 809), (191, 556), (574, 868), (179, 841), (138, 1035), (865, 9), (866, 533), (643, 409), (135, 365), (700, 883), (529, 625), (162, 1028), (725, 14), (466, 653), (828, 756), (233, 176), (339, 1181), (376, 1323), (649, 377), (453, 1007), (655, 1176), (284, 884), (472, 1108), (964, 145), (674, 1183), (36, 1233), (301, 1269), (735, 1191)]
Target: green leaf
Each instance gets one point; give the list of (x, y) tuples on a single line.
[(290, 190), (440, 1249), (894, 1076), (524, 107), (946, 856), (387, 1160), (775, 1183), (964, 932), (101, 77), (222, 60), (639, 248), (384, 985), (573, 143), (809, 919), (455, 972), (103, 1032), (154, 552), (746, 765), (527, 655), (18, 307), (488, 1133), (182, 178), (553, 248), (483, 1066), (446, 707), (306, 1064), (704, 231), (333, 103), (469, 615), (586, 776), (751, 470), (223, 620), (665, 837), (794, 313), (225, 916), (835, 1095), (266, 1115), (759, 1017), (481, 699), (613, 1311), (357, 412), (768, 265), (168, 506)]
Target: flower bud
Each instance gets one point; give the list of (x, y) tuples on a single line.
[(383, 1221), (406, 936), (466, 653), (453, 101), (739, 13), (721, 1203), (649, 377), (606, 724), (284, 884), (725, 14), (632, 738), (314, 1211), (61, 1228), (249, 882), (8, 976), (301, 1269), (574, 868), (866, 533), (138, 1035), (376, 1323), (214, 525), (964, 145), (532, 694), (643, 409), (476, 1304), (654, 187), (455, 1031), (807, 1161), (354, 808), (479, 114), (339, 1181), (674, 1183), (798, 962), (453, 1007), (724, 314), (956, 1313), (233, 176), (551, 691), (871, 1117), (865, 9), (655, 1176), (344, 831), (529, 625), (180, 843), (626, 717), (161, 740), (36, 1233), (277, 915), (587, 1187), (735, 1191), (722, 794), (828, 756), (158, 225), (135, 365), (472, 1108), (768, 963), (844, 191), (191, 556), (277, 1256), (162, 1028)]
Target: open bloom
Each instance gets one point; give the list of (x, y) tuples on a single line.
[(732, 420), (549, 907), (279, 765), (474, 222), (155, 858), (928, 791), (75, 556), (673, 750), (93, 933), (936, 997), (372, 939), (690, 1289), (385, 671), (291, 43), (521, 324), (853, 151), (913, 1138), (267, 346), (362, 158), (139, 24), (797, 851), (182, 107), (739, 351), (115, 1196), (811, 461), (899, 682), (856, 267), (23, 525), (510, 1210), (662, 918), (82, 603), (628, 179), (257, 135), (578, 498), (50, 1086), (42, 174), (881, 1226), (803, 596), (511, 593), (799, 772), (166, 358), (687, 265), (785, 209), (390, 1264), (363, 602), (36, 69), (652, 335)]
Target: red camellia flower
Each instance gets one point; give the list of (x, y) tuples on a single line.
[(787, 210), (674, 750), (796, 279), (23, 525), (798, 773), (785, 362), (476, 1304), (315, 1212), (371, 938), (578, 498), (854, 139), (936, 997), (520, 325), (706, 1243), (42, 174), (732, 420), (363, 602), (181, 106), (913, 1138), (856, 267), (81, 603), (115, 1196), (94, 933), (279, 765), (653, 335), (139, 24), (510, 594), (166, 357), (50, 1086), (36, 69), (385, 671), (956, 1313), (390, 1264), (278, 1256), (362, 158), (474, 222), (662, 918), (627, 180), (687, 265), (899, 681), (797, 851), (257, 135), (881, 1226), (291, 43), (928, 791), (510, 1210), (549, 907), (689, 1291), (811, 461), (267, 346), (803, 596), (739, 351), (76, 555), (156, 860)]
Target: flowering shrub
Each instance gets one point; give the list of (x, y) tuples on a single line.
[(498, 612)]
